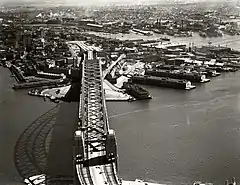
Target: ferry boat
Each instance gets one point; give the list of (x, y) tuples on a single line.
[(163, 82)]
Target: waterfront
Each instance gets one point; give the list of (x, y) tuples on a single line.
[(230, 41), (177, 137)]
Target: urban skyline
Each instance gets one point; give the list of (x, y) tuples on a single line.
[(100, 2)]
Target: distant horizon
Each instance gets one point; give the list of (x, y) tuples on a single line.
[(100, 2)]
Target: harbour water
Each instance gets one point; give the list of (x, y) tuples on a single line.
[(176, 138), (17, 111)]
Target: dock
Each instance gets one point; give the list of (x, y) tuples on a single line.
[(27, 85), (142, 32)]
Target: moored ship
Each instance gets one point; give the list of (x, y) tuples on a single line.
[(178, 75), (163, 82)]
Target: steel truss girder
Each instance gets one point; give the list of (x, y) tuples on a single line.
[(93, 116)]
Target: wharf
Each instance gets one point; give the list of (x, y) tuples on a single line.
[(17, 74), (234, 65), (39, 179), (67, 92), (37, 84), (142, 32)]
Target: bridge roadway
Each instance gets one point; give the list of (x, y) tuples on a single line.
[(95, 144)]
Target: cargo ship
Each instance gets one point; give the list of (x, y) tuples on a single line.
[(178, 75), (163, 82), (136, 91)]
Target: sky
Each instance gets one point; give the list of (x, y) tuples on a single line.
[(92, 2)]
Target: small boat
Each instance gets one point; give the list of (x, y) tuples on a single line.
[(165, 39), (202, 183)]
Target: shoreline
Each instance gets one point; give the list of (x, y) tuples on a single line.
[(195, 39)]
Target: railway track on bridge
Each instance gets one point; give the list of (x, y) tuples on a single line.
[(94, 129), (31, 149)]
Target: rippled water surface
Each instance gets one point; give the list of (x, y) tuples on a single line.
[(180, 137)]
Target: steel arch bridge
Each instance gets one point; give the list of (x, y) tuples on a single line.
[(95, 149)]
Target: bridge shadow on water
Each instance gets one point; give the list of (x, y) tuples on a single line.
[(60, 167)]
